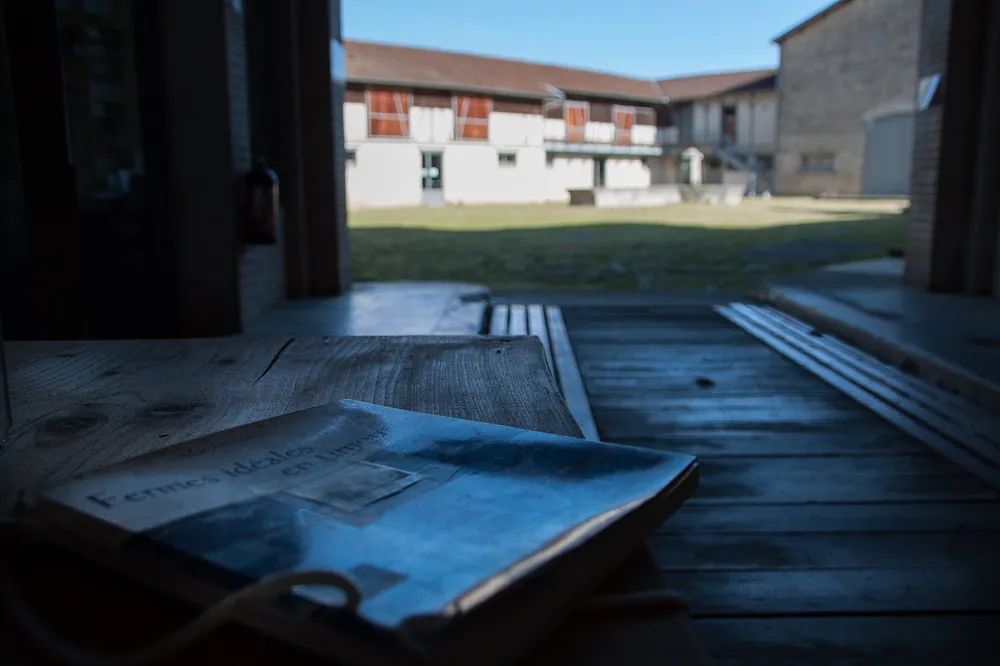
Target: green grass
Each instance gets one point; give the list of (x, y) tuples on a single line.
[(678, 247)]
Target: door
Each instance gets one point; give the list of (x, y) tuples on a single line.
[(599, 172), (728, 125), (888, 153), (432, 179)]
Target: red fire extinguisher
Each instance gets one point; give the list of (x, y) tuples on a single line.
[(261, 205)]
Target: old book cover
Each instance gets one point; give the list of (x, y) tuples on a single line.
[(439, 522)]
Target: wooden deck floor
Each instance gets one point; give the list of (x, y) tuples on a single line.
[(820, 533)]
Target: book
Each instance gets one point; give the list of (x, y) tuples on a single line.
[(466, 541)]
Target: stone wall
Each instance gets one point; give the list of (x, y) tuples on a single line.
[(953, 227), (857, 63)]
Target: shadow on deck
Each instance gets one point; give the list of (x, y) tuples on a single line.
[(821, 534)]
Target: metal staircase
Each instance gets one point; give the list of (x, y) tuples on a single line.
[(740, 163)]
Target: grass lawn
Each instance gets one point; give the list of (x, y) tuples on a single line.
[(677, 247)]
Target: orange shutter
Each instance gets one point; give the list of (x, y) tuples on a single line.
[(472, 118), (388, 113), (576, 122), (624, 121)]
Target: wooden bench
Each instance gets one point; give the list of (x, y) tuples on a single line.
[(546, 323)]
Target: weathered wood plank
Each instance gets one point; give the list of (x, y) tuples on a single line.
[(841, 591), (500, 320), (80, 406), (801, 481), (859, 641), (841, 518), (756, 551), (854, 441), (569, 374), (767, 414), (736, 382), (867, 479), (518, 320), (793, 407), (673, 353), (538, 328)]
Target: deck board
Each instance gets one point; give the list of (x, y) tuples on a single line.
[(820, 534), (836, 641)]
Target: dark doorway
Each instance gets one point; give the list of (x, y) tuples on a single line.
[(600, 165), (728, 125)]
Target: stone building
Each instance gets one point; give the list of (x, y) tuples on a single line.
[(953, 242), (846, 87)]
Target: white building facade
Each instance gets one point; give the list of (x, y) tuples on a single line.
[(521, 156), (428, 127)]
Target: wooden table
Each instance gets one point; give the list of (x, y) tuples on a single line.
[(81, 405)]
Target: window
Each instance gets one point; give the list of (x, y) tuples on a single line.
[(388, 113), (472, 118), (507, 159), (576, 115), (624, 119), (102, 103), (350, 157), (817, 162)]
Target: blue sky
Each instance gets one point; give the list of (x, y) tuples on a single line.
[(643, 38)]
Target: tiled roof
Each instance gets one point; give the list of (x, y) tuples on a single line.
[(382, 63), (373, 63), (688, 88)]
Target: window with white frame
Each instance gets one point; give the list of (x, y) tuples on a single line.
[(507, 159)]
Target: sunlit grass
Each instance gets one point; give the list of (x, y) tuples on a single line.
[(683, 246)]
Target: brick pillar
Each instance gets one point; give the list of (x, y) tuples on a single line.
[(946, 145)]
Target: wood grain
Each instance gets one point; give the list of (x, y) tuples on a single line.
[(80, 406), (538, 327), (836, 641), (757, 552), (843, 479), (839, 518), (569, 373), (736, 442), (500, 320), (821, 533), (940, 590), (518, 320)]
